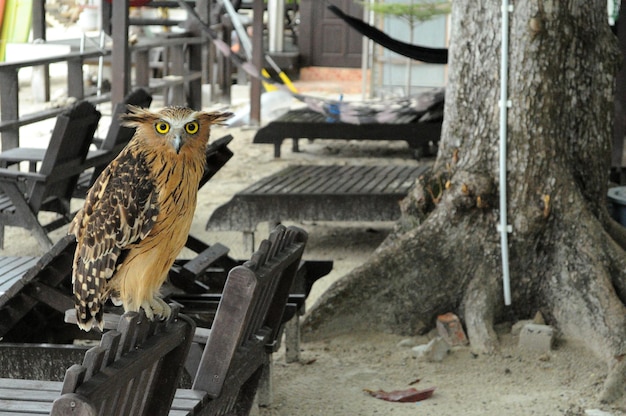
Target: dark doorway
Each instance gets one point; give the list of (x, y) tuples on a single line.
[(326, 40)]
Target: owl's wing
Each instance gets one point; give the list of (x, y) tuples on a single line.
[(120, 210)]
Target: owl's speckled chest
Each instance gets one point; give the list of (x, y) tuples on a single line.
[(177, 184)]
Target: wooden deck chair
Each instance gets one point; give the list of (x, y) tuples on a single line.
[(117, 137), (245, 330), (106, 149), (231, 358), (24, 194)]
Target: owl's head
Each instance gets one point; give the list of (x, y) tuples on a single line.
[(176, 126)]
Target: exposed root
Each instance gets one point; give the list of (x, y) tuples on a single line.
[(586, 307), (479, 312), (615, 383)]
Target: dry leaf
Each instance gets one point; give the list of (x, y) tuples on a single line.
[(402, 396)]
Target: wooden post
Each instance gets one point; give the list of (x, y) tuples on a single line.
[(120, 55), (41, 74), (257, 61)]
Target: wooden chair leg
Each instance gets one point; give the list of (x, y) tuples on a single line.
[(292, 339), (42, 237), (248, 241), (265, 394)]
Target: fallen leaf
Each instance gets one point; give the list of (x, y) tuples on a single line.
[(403, 396)]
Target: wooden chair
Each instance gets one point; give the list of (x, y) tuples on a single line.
[(117, 137), (24, 194), (134, 371), (106, 149), (245, 330), (318, 193)]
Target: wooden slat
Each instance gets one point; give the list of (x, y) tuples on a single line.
[(30, 407), (38, 385), (12, 269)]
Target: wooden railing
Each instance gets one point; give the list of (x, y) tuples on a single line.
[(176, 83)]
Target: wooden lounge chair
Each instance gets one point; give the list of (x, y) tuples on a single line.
[(134, 371), (24, 194), (246, 329), (318, 193), (308, 124)]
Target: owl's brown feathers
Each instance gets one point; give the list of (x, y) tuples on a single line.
[(137, 215)]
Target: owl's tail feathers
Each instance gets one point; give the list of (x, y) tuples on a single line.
[(89, 324), (89, 311), (87, 318)]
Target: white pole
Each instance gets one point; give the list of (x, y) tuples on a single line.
[(276, 20), (504, 103), (365, 55)]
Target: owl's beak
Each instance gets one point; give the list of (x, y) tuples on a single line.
[(177, 143)]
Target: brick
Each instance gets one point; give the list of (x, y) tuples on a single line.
[(536, 337), (450, 329)]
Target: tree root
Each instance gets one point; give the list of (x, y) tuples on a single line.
[(479, 312), (585, 306)]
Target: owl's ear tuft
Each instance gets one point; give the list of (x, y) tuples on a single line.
[(136, 116), (216, 117)]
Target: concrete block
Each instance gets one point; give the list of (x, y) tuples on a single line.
[(536, 337), (435, 351)]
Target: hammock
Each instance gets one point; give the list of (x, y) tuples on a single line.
[(425, 107), (419, 53)]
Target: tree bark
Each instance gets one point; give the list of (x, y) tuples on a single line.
[(566, 253)]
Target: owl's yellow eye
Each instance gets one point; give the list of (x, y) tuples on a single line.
[(192, 127), (162, 127)]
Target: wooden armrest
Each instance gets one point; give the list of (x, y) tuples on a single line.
[(13, 176), (22, 154), (204, 260)]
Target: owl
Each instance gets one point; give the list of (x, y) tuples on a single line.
[(137, 215)]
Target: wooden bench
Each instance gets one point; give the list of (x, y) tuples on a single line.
[(134, 371), (308, 124), (318, 193)]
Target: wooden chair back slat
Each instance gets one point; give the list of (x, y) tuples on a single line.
[(142, 377), (226, 331)]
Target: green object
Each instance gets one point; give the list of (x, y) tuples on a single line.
[(16, 24)]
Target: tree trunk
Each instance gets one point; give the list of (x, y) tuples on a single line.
[(566, 253)]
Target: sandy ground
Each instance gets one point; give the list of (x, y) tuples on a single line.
[(332, 374)]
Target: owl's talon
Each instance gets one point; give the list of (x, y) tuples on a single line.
[(156, 307)]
